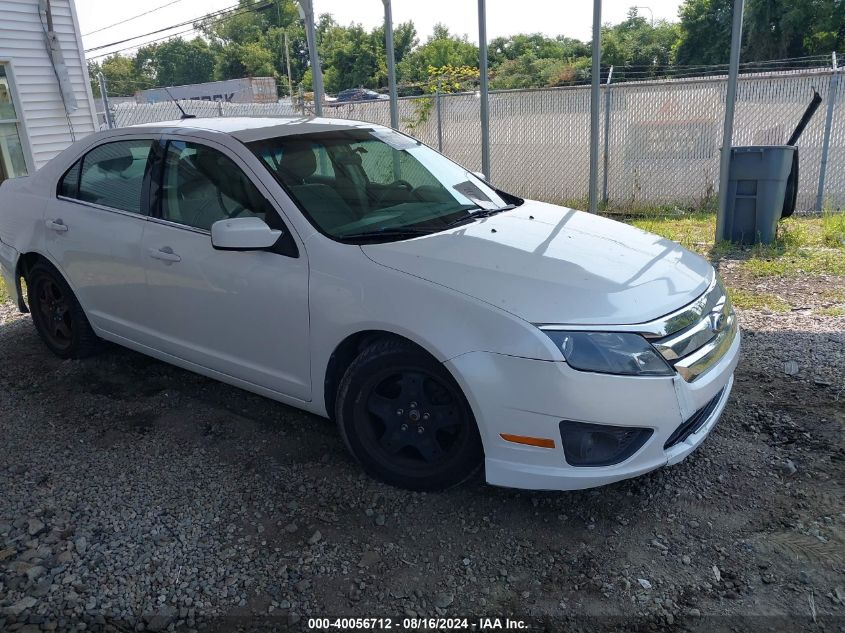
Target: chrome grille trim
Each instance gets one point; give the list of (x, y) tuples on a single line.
[(692, 366)]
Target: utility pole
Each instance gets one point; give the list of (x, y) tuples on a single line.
[(485, 102), (306, 12), (104, 95), (594, 108), (391, 65), (728, 131)]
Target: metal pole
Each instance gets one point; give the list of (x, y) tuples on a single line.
[(485, 104), (306, 11), (287, 61), (104, 95), (606, 136), (439, 118), (391, 65), (831, 102), (594, 108), (727, 133)]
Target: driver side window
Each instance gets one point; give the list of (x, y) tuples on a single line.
[(202, 185)]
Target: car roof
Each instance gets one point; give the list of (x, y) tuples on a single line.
[(248, 129)]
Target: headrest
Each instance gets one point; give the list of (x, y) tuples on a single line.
[(298, 160), (116, 164)]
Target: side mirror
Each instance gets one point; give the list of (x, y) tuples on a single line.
[(243, 234)]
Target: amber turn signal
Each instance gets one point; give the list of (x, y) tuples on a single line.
[(542, 442)]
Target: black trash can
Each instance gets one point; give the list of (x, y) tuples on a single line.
[(757, 187)]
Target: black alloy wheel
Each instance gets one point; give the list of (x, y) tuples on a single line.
[(406, 420)]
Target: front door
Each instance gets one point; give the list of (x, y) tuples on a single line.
[(240, 313)]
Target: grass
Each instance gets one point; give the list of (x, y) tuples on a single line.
[(804, 245), (832, 311), (4, 294), (757, 301)]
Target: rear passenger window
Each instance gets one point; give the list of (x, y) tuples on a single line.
[(111, 175)]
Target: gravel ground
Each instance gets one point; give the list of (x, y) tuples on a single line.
[(137, 496)]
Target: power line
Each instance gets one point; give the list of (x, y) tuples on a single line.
[(228, 12), (134, 17)]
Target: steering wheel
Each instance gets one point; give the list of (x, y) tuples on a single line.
[(396, 184)]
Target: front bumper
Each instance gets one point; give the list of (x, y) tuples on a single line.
[(525, 397)]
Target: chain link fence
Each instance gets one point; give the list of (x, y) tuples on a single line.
[(125, 114), (662, 138)]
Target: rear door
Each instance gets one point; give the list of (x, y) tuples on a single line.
[(94, 228), (240, 313)]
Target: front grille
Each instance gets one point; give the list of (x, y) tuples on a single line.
[(694, 423), (699, 335)]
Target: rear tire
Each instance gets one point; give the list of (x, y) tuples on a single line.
[(58, 318), (405, 419)]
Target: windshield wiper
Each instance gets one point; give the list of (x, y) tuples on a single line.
[(482, 213), (397, 232)]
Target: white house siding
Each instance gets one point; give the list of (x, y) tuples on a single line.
[(23, 48)]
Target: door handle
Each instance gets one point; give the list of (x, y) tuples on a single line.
[(57, 225), (165, 254)]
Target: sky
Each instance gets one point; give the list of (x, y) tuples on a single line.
[(572, 18)]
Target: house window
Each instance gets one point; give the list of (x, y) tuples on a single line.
[(12, 160)]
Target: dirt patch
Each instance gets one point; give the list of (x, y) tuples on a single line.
[(143, 491)]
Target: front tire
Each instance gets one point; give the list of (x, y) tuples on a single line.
[(58, 318), (405, 419)]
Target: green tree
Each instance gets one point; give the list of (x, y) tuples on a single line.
[(772, 29), (121, 76), (441, 49), (176, 62), (636, 49)]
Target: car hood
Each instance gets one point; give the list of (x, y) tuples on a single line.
[(549, 264)]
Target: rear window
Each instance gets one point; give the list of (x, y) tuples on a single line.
[(111, 175)]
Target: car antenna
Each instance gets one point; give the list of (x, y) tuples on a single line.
[(185, 115)]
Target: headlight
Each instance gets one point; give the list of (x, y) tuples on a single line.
[(610, 353)]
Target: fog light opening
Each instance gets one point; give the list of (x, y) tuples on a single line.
[(599, 444)]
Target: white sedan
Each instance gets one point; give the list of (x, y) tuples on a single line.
[(351, 271)]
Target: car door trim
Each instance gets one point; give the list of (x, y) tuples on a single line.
[(103, 207)]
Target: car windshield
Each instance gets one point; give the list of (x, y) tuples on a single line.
[(375, 184)]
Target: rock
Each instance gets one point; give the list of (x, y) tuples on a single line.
[(290, 528), (369, 558), (161, 620), (35, 527), (22, 605), (686, 560), (790, 368), (42, 588), (645, 584), (64, 557), (81, 545), (303, 585), (315, 538), (380, 519), (693, 613), (33, 573), (443, 600), (804, 577), (788, 467)]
